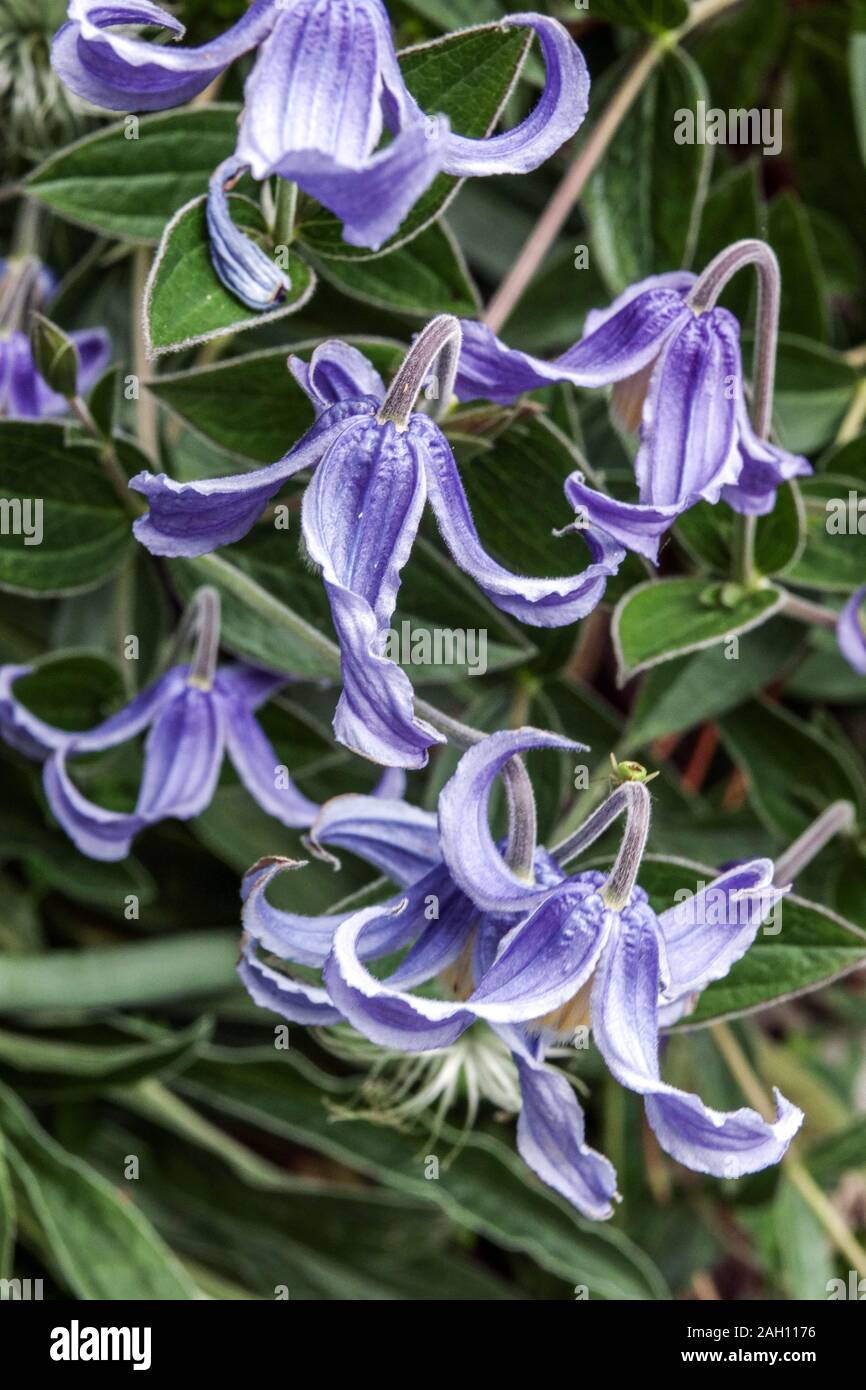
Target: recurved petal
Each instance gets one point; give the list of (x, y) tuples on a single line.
[(765, 467), (397, 838), (625, 1027), (625, 340), (467, 844), (705, 934), (551, 1141), (851, 633), (538, 602), (242, 265), (635, 525), (293, 1000), (382, 1012), (558, 113), (96, 832), (125, 74), (336, 372), (194, 518)]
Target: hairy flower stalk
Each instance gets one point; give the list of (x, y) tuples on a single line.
[(437, 348)]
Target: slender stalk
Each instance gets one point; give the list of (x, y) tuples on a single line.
[(838, 819), (110, 462), (522, 816), (795, 1170), (854, 416), (804, 611), (206, 604), (284, 217), (437, 345), (623, 876), (555, 215)]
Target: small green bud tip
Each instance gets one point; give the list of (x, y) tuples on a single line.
[(630, 771)]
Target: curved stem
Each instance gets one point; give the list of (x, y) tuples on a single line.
[(522, 816), (804, 611), (838, 819), (633, 799), (438, 343), (202, 617)]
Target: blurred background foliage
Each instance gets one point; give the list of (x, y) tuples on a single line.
[(125, 1038)]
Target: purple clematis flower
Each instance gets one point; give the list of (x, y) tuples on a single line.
[(531, 960), (678, 376), (850, 632), (192, 723), (325, 84), (24, 395), (377, 462)]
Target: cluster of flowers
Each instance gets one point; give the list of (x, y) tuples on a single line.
[(525, 950)]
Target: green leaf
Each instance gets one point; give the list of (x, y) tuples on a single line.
[(426, 276), (824, 676), (186, 302), (803, 948), (832, 560), (71, 690), (803, 308), (251, 406), (814, 386), (486, 1187), (55, 355), (61, 489), (732, 212), (466, 77), (652, 16), (101, 1244), (680, 694), (857, 75), (128, 179), (108, 977), (667, 618), (794, 770), (805, 1254), (67, 1067), (644, 200), (781, 535)]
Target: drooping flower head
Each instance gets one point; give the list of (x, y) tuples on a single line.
[(325, 85), (531, 955), (675, 363), (378, 461), (194, 713), (27, 285)]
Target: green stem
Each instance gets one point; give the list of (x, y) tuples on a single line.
[(741, 1069), (284, 217)]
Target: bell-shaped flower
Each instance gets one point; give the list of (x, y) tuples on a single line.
[(851, 632), (532, 956), (194, 713), (25, 284), (325, 86), (677, 376), (377, 461)]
